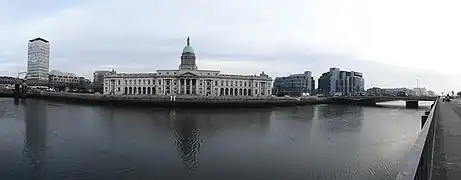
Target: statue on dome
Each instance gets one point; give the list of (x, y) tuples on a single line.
[(188, 40)]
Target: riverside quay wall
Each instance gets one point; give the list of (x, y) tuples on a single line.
[(177, 101)]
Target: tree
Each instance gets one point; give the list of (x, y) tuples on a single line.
[(459, 93)]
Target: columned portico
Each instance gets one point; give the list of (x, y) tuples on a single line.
[(187, 85)]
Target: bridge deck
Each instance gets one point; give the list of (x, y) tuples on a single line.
[(387, 98), (447, 153)]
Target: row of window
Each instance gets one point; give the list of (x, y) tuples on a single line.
[(66, 77), (65, 80), (222, 92), (38, 72), (222, 82)]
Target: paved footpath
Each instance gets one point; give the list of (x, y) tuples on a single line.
[(447, 156)]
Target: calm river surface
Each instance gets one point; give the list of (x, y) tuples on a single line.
[(49, 140)]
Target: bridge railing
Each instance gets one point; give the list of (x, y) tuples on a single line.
[(418, 163)]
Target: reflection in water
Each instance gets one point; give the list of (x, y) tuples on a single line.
[(339, 118), (311, 142), (35, 136), (189, 125), (301, 113), (264, 119), (186, 132)]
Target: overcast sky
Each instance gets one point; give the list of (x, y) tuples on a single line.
[(395, 43)]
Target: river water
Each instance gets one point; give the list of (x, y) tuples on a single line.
[(49, 140)]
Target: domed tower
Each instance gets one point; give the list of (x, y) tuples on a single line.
[(188, 58)]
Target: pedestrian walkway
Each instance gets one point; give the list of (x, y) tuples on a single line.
[(447, 154)]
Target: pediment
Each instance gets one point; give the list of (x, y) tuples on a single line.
[(188, 74)]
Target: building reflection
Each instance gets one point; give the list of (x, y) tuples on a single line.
[(191, 127), (186, 136), (264, 118), (302, 113), (108, 124), (35, 135), (238, 117), (340, 118)]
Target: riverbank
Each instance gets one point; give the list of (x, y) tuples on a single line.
[(174, 101)]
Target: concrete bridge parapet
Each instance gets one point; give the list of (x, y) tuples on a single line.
[(410, 102)]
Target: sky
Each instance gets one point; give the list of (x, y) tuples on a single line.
[(394, 43)]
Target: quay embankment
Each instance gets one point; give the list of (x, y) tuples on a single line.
[(173, 101)]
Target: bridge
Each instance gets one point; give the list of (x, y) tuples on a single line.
[(48, 83), (436, 152), (411, 101)]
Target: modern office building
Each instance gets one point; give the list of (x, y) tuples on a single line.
[(295, 84), (66, 77), (375, 91), (313, 90), (38, 61), (337, 82), (188, 79)]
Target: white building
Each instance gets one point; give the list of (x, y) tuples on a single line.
[(421, 91), (64, 77), (188, 79), (38, 59)]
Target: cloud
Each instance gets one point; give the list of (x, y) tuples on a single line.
[(393, 42)]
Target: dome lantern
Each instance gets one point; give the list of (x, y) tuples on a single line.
[(188, 48)]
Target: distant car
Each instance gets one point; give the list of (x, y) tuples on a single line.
[(402, 94)]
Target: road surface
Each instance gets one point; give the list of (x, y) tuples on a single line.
[(447, 156)]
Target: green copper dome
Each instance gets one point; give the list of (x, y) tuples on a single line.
[(188, 48)]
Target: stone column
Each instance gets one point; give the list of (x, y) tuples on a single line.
[(171, 86), (184, 86), (179, 86), (186, 83), (164, 86), (190, 86), (211, 87)]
